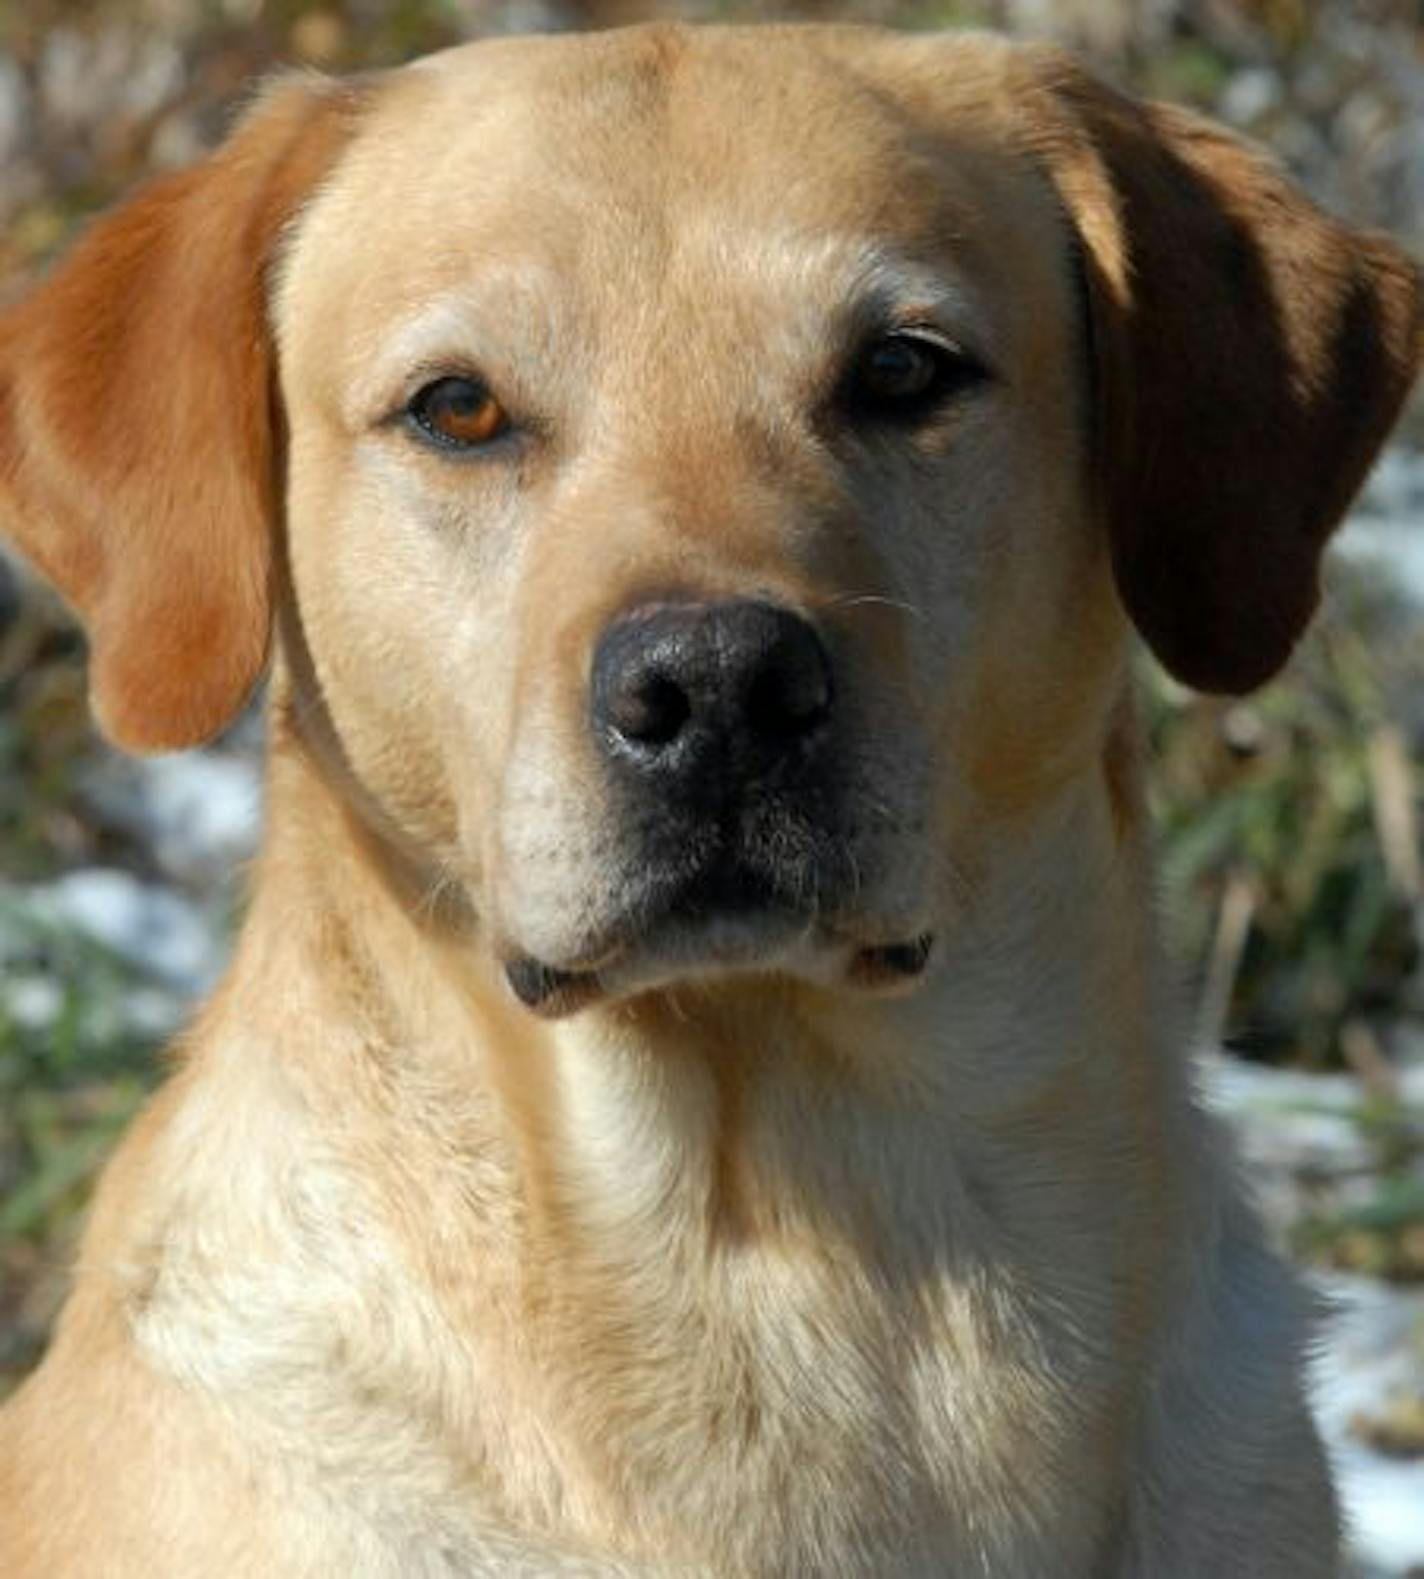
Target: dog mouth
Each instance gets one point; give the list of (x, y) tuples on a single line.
[(722, 920)]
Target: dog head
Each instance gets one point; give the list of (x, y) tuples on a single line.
[(699, 475)]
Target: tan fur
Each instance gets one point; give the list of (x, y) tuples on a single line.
[(744, 1269)]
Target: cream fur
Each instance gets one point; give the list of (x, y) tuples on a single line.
[(737, 1271)]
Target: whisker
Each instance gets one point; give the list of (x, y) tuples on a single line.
[(857, 599)]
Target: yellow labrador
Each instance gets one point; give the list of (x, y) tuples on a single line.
[(696, 1092)]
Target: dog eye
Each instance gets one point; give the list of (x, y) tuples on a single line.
[(458, 413), (904, 376)]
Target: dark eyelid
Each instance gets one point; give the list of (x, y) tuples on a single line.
[(422, 377), (400, 414), (931, 334), (941, 339), (962, 374), (921, 313)]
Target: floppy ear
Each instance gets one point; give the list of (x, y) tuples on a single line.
[(136, 424), (1249, 355)]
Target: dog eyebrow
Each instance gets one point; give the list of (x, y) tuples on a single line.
[(880, 289), (896, 292), (875, 276), (504, 314)]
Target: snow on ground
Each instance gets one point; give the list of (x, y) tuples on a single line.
[(1301, 1138), (1386, 527), (1373, 1357)]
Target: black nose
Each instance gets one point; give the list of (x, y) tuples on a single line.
[(714, 693)]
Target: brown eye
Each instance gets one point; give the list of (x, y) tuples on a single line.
[(459, 413), (903, 376)]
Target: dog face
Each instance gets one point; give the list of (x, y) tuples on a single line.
[(716, 467), (661, 523)]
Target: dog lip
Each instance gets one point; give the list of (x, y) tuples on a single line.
[(686, 918), (546, 989), (892, 964), (730, 915), (552, 992)]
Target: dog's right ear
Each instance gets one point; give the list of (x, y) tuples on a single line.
[(137, 445)]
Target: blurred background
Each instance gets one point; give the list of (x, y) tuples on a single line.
[(1290, 823)]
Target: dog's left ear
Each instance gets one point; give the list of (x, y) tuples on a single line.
[(137, 443), (1249, 354)]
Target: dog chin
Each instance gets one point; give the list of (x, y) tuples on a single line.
[(720, 950)]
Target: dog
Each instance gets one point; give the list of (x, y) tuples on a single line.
[(698, 1090)]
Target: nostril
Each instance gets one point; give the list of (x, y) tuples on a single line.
[(651, 711), (791, 694)]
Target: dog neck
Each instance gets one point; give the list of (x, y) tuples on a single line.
[(746, 1103), (711, 1198)]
